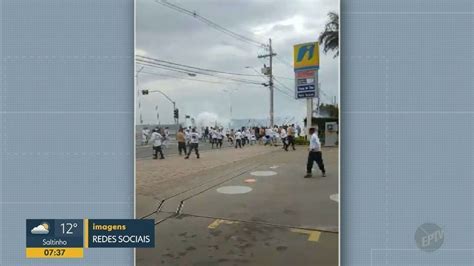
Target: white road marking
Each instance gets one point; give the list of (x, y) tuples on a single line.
[(234, 190), (263, 173)]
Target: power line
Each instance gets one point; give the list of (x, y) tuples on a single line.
[(284, 86), (277, 88), (193, 67), (179, 71), (211, 23), (192, 79), (281, 77), (284, 62), (187, 71), (284, 92)]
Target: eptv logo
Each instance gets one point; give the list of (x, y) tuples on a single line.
[(306, 56), (429, 237)]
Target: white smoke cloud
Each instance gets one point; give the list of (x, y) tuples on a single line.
[(208, 119)]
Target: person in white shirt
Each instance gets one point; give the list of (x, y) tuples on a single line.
[(247, 135), (243, 137), (166, 137), (145, 134), (220, 137), (253, 139), (268, 136), (275, 136), (187, 136), (227, 134), (238, 139), (284, 139), (214, 134), (156, 140), (315, 154), (194, 143)]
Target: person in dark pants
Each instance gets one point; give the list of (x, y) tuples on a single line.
[(315, 154), (194, 143), (180, 137), (220, 138), (238, 139), (291, 136), (206, 133), (156, 139)]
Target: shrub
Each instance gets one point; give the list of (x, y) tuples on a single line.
[(301, 141)]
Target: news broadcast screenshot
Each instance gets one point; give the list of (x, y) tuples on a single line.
[(236, 132)]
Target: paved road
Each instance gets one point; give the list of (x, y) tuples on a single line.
[(280, 218)]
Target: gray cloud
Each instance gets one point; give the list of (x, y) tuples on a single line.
[(166, 34)]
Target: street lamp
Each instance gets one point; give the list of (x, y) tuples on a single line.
[(175, 110)]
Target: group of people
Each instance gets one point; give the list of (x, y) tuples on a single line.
[(147, 134), (264, 135), (188, 140)]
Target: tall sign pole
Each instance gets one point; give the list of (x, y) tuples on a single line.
[(306, 66)]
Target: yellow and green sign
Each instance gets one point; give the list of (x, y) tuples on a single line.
[(306, 56)]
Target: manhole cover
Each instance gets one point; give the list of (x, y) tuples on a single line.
[(263, 173), (234, 190)]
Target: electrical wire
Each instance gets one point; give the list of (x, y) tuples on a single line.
[(211, 24), (284, 62), (187, 71), (192, 67), (192, 79)]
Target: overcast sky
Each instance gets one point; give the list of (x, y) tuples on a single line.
[(166, 34)]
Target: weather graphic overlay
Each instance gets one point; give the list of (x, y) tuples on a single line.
[(49, 238), (67, 238)]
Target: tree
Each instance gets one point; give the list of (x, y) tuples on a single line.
[(329, 38), (328, 110)]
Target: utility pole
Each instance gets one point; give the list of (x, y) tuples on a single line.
[(269, 73)]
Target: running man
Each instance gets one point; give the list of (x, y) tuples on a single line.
[(157, 139), (284, 139), (238, 139), (194, 143)]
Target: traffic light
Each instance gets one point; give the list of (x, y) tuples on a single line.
[(145, 92), (176, 113)]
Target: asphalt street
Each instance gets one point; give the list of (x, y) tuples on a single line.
[(254, 211), (146, 151)]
